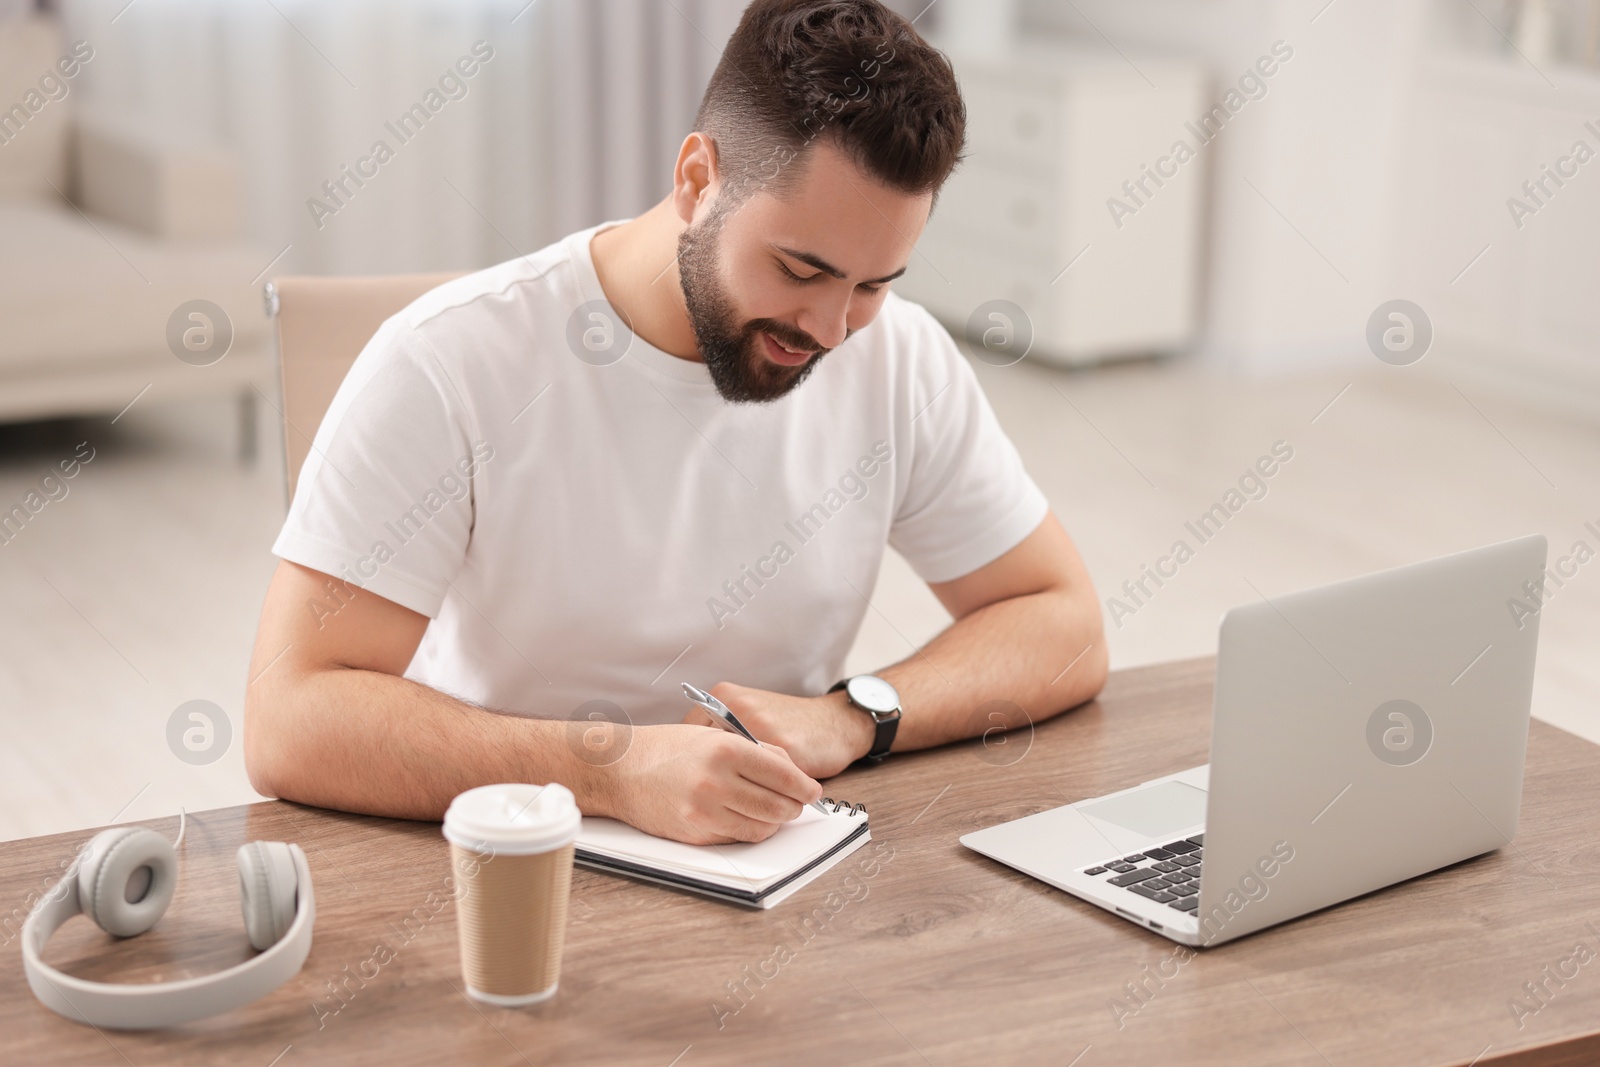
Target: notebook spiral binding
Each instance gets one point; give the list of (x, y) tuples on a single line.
[(845, 806)]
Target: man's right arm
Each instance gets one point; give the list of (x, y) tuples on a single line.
[(330, 721)]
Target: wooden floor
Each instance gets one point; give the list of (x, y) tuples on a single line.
[(139, 591)]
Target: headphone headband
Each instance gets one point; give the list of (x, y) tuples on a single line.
[(159, 1004)]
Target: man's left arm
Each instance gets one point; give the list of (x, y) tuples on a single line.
[(1026, 644)]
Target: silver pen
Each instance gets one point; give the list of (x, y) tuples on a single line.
[(722, 716)]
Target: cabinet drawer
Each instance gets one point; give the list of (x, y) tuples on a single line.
[(1012, 127), (1002, 210), (953, 278), (1122, 299)]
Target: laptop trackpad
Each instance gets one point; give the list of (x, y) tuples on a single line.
[(1157, 811)]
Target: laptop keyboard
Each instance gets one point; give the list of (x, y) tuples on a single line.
[(1168, 875)]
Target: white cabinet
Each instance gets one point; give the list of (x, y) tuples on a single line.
[(1511, 294), (1029, 218)]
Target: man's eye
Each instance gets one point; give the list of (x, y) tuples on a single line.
[(791, 275), (869, 289)]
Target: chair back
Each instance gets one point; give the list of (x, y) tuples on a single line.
[(323, 324), (33, 144)]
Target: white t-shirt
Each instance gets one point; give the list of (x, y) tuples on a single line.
[(578, 530)]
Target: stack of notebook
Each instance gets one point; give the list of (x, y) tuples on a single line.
[(756, 875)]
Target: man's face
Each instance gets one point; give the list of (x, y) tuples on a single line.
[(772, 285)]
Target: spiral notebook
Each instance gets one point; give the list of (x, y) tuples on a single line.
[(756, 875)]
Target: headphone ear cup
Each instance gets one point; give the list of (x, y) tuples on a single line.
[(126, 879), (269, 886)]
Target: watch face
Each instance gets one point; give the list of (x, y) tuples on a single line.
[(873, 693)]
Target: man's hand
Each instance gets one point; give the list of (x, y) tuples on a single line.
[(823, 735), (706, 786)]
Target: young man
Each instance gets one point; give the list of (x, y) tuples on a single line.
[(673, 449)]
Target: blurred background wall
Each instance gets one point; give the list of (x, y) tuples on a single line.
[(1390, 144), (575, 118)]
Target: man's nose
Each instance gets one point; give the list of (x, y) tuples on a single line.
[(828, 321)]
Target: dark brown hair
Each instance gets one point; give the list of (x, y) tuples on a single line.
[(796, 71)]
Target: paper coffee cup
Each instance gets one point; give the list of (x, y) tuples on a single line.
[(511, 847)]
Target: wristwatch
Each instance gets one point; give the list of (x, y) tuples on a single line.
[(880, 700)]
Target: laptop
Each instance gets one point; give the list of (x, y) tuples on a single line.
[(1363, 733)]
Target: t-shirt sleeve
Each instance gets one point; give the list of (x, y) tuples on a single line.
[(385, 499), (967, 499)]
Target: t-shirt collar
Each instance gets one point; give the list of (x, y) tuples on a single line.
[(641, 352)]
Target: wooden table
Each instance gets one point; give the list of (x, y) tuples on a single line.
[(914, 951)]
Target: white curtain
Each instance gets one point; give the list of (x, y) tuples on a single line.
[(575, 118)]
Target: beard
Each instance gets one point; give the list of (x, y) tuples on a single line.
[(734, 352)]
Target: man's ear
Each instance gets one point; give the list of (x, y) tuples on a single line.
[(695, 178)]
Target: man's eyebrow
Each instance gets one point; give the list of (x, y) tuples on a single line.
[(812, 260)]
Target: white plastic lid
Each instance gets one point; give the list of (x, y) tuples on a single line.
[(516, 819)]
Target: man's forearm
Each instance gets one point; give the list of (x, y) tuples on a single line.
[(373, 743), (1009, 663), (330, 720), (1026, 644)]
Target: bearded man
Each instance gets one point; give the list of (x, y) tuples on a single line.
[(674, 448)]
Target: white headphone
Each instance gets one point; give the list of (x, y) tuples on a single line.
[(124, 884)]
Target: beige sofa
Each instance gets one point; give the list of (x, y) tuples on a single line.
[(107, 227)]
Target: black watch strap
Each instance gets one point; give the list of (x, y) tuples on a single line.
[(883, 738)]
